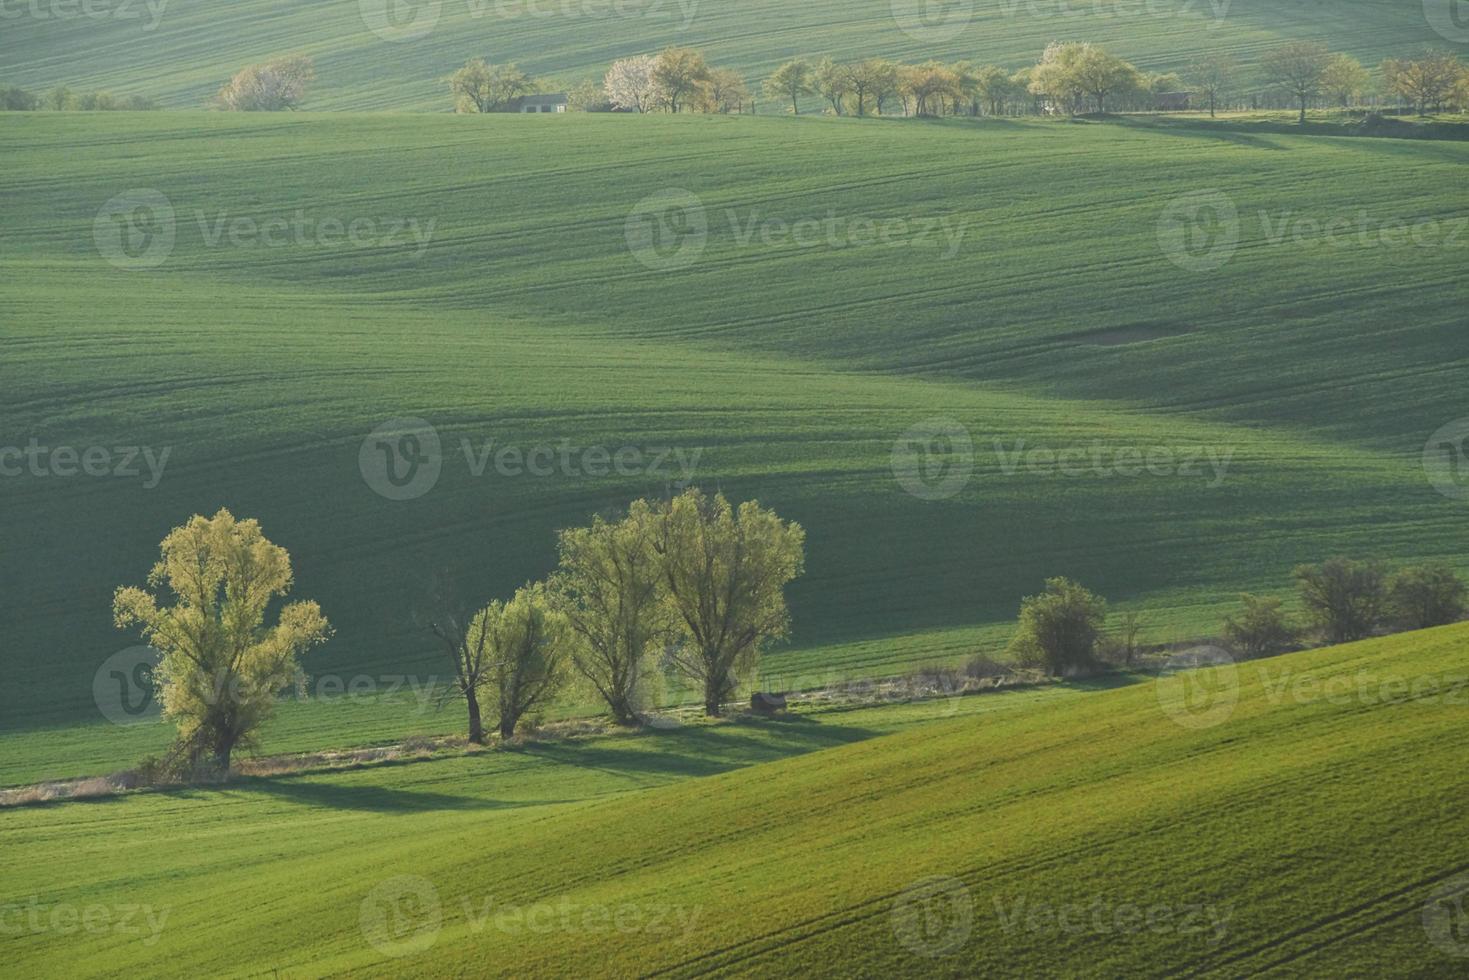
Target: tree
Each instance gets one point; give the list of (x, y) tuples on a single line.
[(993, 86), (609, 588), (1213, 75), (724, 91), (14, 99), (931, 86), (874, 80), (462, 635), (790, 81), (630, 84), (966, 84), (1059, 628), (679, 72), (1299, 68), (1426, 595), (60, 98), (221, 667), (588, 96), (1428, 80), (527, 640), (1344, 79), (1260, 628), (833, 82), (1346, 599), (724, 572), (1099, 74), (483, 87), (1056, 75), (272, 86)]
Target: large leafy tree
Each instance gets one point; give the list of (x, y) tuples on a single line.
[(222, 667), (1347, 599), (630, 84), (725, 572), (609, 588), (1299, 68), (1428, 80), (679, 73), (483, 87), (790, 81), (1059, 628), (527, 640), (272, 86), (1213, 75)]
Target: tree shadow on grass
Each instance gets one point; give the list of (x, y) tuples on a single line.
[(703, 750), (379, 799)]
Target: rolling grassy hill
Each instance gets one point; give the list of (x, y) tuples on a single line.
[(181, 51), (1299, 815), (781, 365)]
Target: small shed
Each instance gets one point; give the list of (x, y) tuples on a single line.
[(550, 102)]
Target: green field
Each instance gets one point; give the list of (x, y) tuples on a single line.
[(182, 51), (1314, 371), (1139, 830)]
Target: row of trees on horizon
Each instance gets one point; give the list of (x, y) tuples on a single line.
[(1070, 77)]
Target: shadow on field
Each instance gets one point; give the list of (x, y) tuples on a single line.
[(379, 799), (703, 751)]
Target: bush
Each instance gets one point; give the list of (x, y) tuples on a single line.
[(15, 99), (1059, 629), (1426, 595), (1260, 628), (982, 667), (1345, 599), (270, 87)]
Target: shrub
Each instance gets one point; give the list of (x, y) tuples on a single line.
[(15, 99), (1345, 599), (1426, 595), (1059, 628), (1260, 628), (269, 87)]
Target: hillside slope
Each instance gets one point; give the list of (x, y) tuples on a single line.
[(263, 362), (182, 52), (1277, 816)]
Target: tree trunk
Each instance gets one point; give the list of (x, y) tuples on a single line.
[(1211, 107), (507, 726), (713, 702), (1303, 110), (476, 727)]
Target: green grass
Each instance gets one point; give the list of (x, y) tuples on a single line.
[(1322, 369), (183, 55), (1051, 798)]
